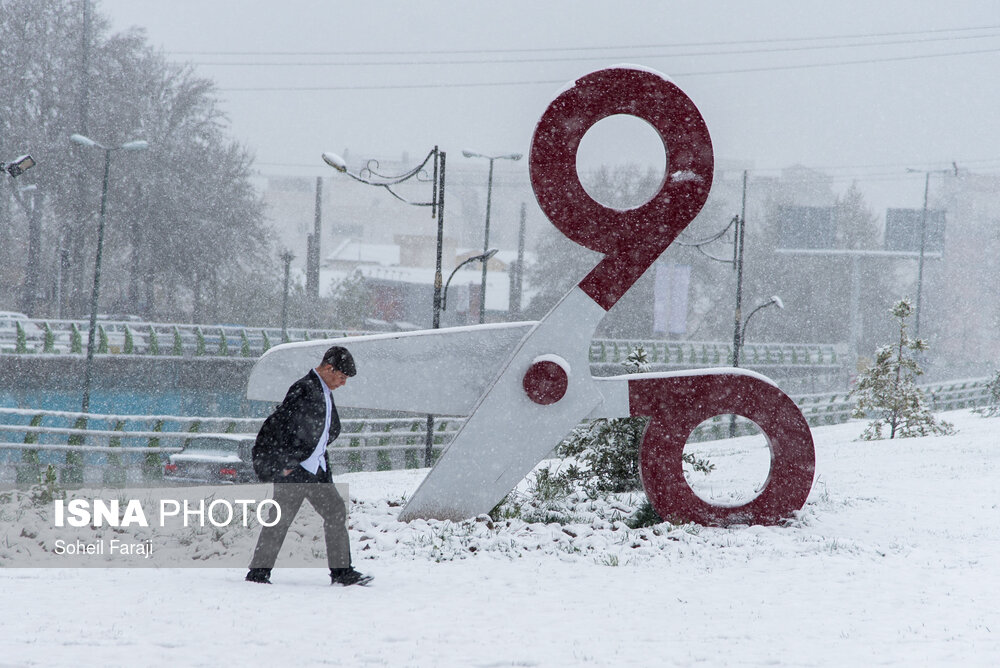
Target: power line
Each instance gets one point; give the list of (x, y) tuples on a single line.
[(552, 82), (559, 59), (586, 48), (849, 173)]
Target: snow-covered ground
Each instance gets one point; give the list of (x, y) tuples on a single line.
[(894, 561)]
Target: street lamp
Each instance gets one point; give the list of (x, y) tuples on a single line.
[(486, 231), (138, 145), (18, 165), (738, 345), (482, 257), (775, 300), (372, 177)]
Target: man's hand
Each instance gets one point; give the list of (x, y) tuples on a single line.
[(286, 472)]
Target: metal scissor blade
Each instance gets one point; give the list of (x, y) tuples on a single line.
[(441, 371), (508, 433), (616, 389)]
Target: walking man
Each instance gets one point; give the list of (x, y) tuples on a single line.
[(291, 447)]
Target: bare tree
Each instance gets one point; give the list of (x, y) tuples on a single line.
[(184, 223)]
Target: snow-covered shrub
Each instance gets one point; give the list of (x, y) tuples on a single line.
[(47, 489), (607, 449), (644, 516)]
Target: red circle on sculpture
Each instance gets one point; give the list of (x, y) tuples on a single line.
[(677, 405), (545, 382)]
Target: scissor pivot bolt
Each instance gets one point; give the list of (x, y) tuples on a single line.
[(546, 380)]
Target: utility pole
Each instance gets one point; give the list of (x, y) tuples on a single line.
[(287, 258), (923, 240), (313, 250), (920, 264), (63, 272), (83, 112), (437, 210), (518, 287), (34, 252), (738, 264)]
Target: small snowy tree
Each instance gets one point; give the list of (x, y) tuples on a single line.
[(637, 360), (886, 390)]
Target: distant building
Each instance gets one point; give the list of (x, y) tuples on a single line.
[(400, 281)]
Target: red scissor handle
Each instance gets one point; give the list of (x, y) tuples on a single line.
[(630, 239), (676, 405)]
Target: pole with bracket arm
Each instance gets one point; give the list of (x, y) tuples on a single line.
[(370, 175)]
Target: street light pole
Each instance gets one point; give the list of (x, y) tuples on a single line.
[(89, 370), (371, 176), (139, 145), (486, 244), (486, 230)]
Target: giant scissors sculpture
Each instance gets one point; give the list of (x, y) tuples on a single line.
[(525, 385)]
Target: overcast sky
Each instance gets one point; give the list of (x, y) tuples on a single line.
[(863, 90)]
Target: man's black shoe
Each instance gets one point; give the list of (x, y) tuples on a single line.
[(348, 576), (261, 575)]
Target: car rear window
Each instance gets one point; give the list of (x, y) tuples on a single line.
[(213, 445)]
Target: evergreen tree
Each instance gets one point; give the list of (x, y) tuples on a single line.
[(154, 341), (609, 448), (351, 302), (886, 391)]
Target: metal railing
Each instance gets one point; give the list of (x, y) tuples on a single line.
[(68, 337), (80, 447), (87, 446), (695, 353)]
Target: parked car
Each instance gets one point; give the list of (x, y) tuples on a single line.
[(216, 459)]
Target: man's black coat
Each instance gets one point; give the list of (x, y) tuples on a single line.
[(290, 434)]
